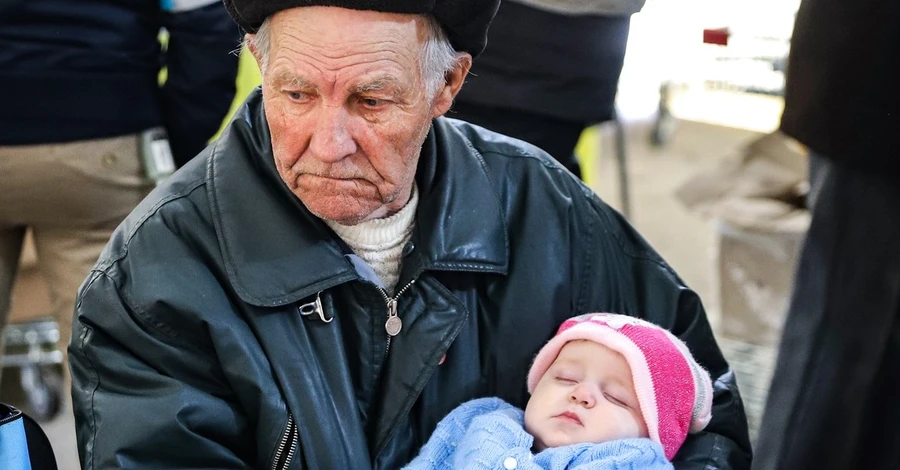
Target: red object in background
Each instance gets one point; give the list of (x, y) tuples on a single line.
[(717, 36)]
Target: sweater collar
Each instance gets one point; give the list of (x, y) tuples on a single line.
[(276, 252), (378, 233)]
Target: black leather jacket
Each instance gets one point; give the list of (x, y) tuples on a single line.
[(189, 349)]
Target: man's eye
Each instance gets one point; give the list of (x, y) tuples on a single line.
[(297, 95), (372, 102)]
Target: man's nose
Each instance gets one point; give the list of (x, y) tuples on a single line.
[(331, 140), (583, 396)]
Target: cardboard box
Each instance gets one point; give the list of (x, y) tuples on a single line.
[(755, 200), (754, 275)]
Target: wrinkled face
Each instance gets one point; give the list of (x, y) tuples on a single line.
[(586, 396), (347, 108)]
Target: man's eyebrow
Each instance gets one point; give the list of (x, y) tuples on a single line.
[(383, 83), (284, 77)]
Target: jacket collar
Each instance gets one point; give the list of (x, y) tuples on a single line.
[(276, 252)]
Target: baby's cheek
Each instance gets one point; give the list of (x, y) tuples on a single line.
[(535, 429), (530, 421), (634, 425)]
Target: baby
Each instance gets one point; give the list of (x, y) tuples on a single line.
[(608, 391)]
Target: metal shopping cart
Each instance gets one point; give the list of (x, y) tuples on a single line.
[(748, 56), (31, 352)]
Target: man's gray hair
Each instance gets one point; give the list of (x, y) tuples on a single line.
[(438, 55)]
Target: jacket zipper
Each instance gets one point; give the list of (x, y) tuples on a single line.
[(393, 324), (283, 460)]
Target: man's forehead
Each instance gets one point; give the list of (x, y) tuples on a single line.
[(338, 44)]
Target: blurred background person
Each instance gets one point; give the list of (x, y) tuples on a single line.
[(833, 399), (550, 69), (80, 86), (6, 3)]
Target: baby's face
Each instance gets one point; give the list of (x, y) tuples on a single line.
[(587, 395)]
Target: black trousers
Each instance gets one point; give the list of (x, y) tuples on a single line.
[(834, 401), (554, 136)]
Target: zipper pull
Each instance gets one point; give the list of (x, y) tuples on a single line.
[(315, 307), (394, 324)]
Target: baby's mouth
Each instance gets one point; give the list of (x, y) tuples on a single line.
[(570, 416)]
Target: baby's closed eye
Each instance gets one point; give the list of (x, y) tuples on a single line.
[(566, 380), (616, 400)]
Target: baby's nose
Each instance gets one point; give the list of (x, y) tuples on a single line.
[(583, 396)]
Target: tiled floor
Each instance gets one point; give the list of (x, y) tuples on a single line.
[(753, 366)]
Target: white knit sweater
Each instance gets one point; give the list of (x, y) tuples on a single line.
[(380, 242)]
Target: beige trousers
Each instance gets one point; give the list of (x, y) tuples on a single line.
[(72, 196)]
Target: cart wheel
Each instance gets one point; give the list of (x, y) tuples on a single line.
[(663, 128), (43, 391)]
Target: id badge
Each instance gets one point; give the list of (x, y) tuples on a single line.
[(156, 154)]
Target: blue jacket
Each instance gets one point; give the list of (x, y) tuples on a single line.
[(488, 434), (88, 69), (23, 445)]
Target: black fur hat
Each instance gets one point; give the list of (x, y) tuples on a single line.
[(465, 21)]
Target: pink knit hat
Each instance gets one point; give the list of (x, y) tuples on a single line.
[(673, 391)]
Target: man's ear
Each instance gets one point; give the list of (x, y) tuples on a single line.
[(453, 81), (251, 44)]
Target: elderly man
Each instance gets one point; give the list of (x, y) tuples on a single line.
[(345, 266)]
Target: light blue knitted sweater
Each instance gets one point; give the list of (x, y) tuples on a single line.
[(489, 434)]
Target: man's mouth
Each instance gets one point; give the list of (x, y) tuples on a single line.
[(569, 416), (333, 177)]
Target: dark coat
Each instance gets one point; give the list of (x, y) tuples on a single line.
[(89, 69), (189, 351), (560, 66), (842, 96)]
